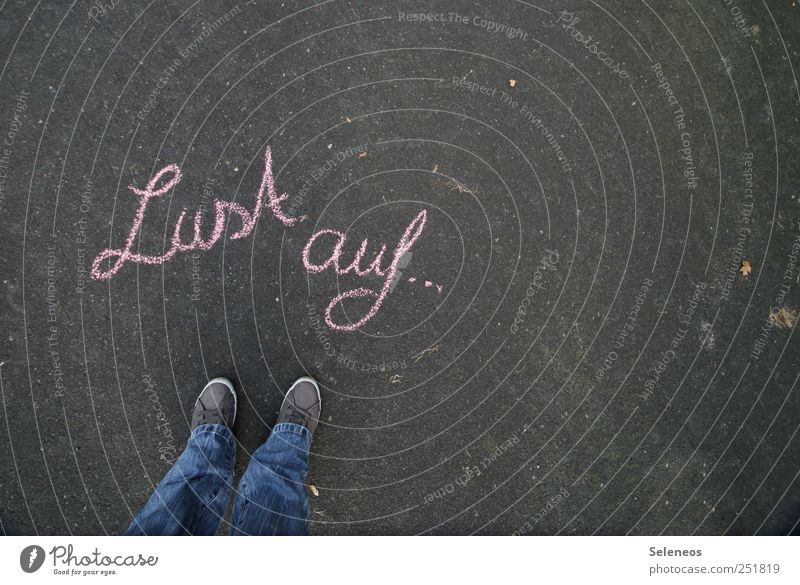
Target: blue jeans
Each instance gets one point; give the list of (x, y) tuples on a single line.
[(270, 499)]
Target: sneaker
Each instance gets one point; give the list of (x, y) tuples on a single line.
[(215, 405), (302, 404)]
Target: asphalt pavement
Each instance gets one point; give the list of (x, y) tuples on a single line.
[(574, 312)]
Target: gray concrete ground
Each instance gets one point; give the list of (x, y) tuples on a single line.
[(592, 334)]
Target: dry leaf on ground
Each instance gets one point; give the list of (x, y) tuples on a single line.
[(745, 268), (783, 318)]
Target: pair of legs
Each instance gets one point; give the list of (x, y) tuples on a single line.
[(270, 498)]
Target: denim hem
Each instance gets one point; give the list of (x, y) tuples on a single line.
[(292, 428), (215, 429)]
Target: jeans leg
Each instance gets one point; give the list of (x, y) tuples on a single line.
[(192, 497), (271, 497)]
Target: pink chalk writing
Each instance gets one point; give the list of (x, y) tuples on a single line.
[(111, 260), (410, 236), (248, 221), (428, 284)]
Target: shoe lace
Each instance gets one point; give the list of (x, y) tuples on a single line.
[(211, 415), (296, 415)]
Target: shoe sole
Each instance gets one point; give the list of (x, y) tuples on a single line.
[(296, 382), (227, 383)]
